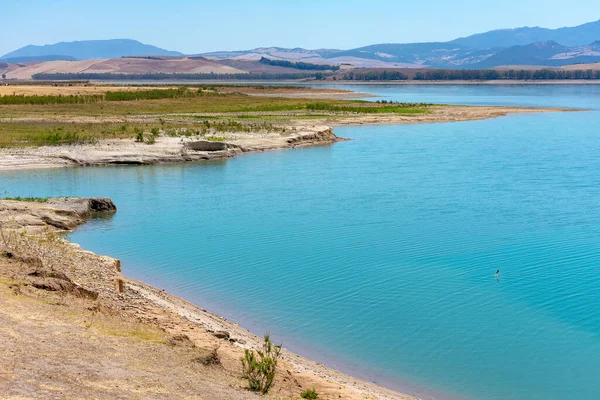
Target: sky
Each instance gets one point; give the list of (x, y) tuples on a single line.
[(200, 26)]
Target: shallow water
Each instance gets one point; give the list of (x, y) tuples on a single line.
[(378, 255)]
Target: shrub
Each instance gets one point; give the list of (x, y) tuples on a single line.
[(150, 94), (154, 131), (50, 99), (139, 135), (216, 138), (259, 367), (309, 394)]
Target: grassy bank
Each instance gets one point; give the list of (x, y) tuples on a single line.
[(79, 119), (162, 101)]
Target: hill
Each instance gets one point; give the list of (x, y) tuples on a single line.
[(149, 65), (548, 54), (91, 49), (568, 36), (484, 50)]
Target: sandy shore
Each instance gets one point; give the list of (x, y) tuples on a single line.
[(462, 82), (297, 132), (36, 271)]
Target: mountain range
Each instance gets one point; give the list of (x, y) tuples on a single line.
[(527, 46), (85, 50)]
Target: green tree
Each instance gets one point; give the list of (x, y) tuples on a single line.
[(259, 367)]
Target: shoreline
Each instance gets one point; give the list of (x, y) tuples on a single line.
[(354, 82), (173, 150), (508, 82), (97, 274)]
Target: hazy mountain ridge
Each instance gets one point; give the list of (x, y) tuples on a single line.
[(485, 50), (91, 49), (547, 53), (568, 36), (27, 59), (520, 46)]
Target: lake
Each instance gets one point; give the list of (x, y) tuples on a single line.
[(377, 255)]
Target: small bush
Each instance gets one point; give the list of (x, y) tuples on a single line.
[(50, 99), (259, 367), (154, 132), (139, 135), (151, 94), (309, 394), (216, 138)]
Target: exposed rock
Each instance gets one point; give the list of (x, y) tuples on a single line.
[(102, 204), (181, 341), (83, 206), (55, 281), (31, 261), (59, 213), (206, 145), (210, 358), (221, 334)]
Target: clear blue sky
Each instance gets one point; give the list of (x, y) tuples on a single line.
[(194, 26)]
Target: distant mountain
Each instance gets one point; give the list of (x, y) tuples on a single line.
[(418, 54), (52, 57), (521, 46), (569, 36), (544, 54), (91, 49), (531, 54), (484, 50)]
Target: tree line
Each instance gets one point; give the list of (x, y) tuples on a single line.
[(299, 65), (374, 75), (490, 75), (381, 74), (165, 76)]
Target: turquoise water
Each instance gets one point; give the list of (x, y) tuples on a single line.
[(378, 255)]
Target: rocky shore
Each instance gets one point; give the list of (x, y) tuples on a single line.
[(74, 326), (166, 150)]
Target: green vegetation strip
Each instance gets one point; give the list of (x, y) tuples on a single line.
[(162, 112), (27, 199), (41, 100)]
